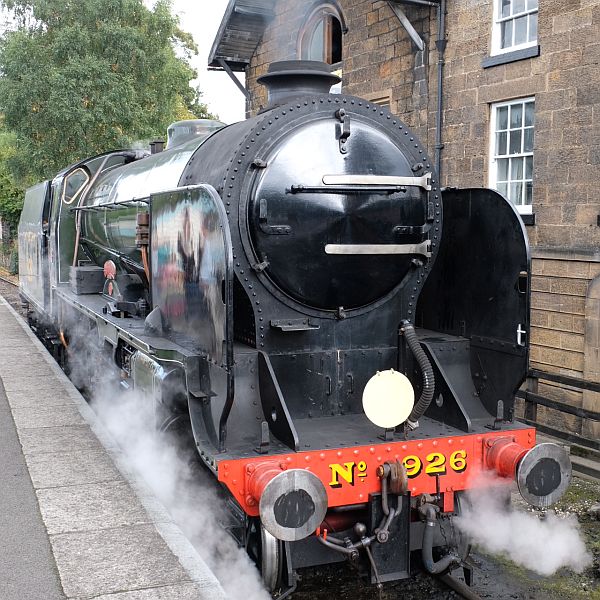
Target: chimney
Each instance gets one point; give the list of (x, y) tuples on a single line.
[(288, 79)]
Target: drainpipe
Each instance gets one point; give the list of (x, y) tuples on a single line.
[(440, 44)]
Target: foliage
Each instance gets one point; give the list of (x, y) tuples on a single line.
[(9, 258), (11, 194), (85, 76)]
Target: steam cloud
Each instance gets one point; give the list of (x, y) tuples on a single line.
[(183, 487), (542, 543)]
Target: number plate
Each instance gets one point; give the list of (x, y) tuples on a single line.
[(435, 463)]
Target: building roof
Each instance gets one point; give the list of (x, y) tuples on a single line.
[(240, 32)]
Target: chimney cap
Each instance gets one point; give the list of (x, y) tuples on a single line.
[(289, 79), (299, 68)]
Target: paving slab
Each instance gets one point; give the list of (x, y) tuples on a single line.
[(32, 383), (24, 398), (39, 368), (47, 440), (71, 468), (113, 560), (106, 536), (34, 417), (90, 507)]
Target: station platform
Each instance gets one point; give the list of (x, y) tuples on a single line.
[(75, 523)]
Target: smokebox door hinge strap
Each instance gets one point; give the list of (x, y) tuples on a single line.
[(378, 180), (423, 249), (343, 130), (263, 219)]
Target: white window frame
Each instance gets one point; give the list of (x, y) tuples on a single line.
[(497, 28), (524, 209)]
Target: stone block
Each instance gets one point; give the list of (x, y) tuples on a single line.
[(540, 283), (43, 416), (557, 358), (558, 393), (572, 341), (545, 337), (540, 318), (560, 321), (517, 88), (48, 397), (59, 439), (554, 235), (90, 507), (587, 214), (578, 324), (517, 70), (372, 17), (93, 563), (572, 19), (573, 287), (70, 468), (558, 303), (548, 214)]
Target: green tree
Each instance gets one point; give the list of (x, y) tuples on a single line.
[(11, 193), (83, 76)]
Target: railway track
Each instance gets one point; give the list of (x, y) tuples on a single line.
[(9, 290), (10, 279)]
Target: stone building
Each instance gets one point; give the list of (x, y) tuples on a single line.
[(520, 106)]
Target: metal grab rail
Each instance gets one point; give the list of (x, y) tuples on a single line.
[(584, 413), (575, 382)]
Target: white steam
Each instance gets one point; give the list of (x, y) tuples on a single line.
[(541, 542), (183, 487)]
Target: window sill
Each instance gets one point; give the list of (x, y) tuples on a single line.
[(508, 57), (528, 218)]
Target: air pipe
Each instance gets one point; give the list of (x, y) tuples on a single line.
[(429, 511), (427, 371)]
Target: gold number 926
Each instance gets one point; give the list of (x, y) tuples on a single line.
[(435, 463)]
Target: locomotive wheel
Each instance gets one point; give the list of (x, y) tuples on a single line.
[(464, 541), (267, 553), (456, 541)]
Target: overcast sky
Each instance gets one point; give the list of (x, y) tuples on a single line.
[(202, 18)]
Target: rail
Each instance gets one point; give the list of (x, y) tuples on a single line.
[(7, 278), (533, 399)]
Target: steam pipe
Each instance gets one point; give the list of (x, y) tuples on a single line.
[(441, 48), (351, 552), (427, 371), (430, 513)]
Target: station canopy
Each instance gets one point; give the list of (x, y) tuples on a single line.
[(240, 32)]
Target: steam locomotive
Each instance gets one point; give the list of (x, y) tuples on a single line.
[(344, 336)]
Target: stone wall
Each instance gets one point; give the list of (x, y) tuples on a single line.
[(379, 58)]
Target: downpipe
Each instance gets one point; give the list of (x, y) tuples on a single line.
[(429, 511), (441, 48)]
